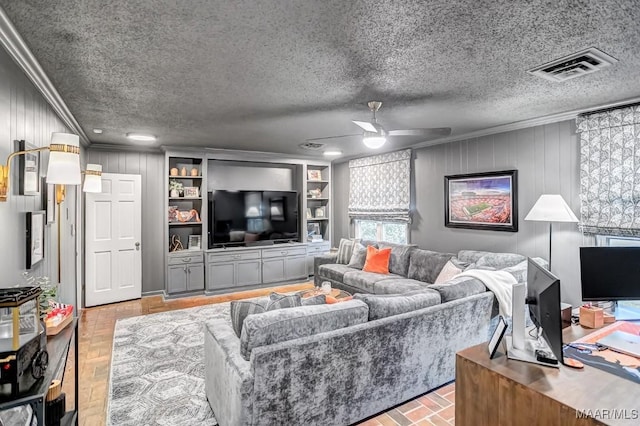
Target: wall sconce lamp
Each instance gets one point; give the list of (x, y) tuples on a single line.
[(63, 168), (92, 178)]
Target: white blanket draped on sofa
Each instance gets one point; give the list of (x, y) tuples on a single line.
[(499, 282)]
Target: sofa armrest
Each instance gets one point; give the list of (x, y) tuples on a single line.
[(228, 377), (322, 259)]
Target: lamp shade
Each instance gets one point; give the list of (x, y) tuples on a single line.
[(93, 178), (551, 208), (64, 159)]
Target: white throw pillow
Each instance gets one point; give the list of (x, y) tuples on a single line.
[(448, 272)]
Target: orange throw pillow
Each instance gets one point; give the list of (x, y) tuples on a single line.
[(331, 300), (377, 260)]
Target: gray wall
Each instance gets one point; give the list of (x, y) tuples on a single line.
[(150, 166), (249, 176), (24, 114), (547, 160)]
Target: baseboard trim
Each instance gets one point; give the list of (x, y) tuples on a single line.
[(154, 293)]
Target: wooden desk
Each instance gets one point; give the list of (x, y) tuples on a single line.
[(505, 392)]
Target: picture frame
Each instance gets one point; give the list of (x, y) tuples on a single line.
[(314, 174), (497, 337), (28, 170), (483, 201), (48, 200), (35, 222), (321, 212), (195, 242), (314, 193), (312, 229), (191, 192)]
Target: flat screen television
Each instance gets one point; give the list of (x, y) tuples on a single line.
[(543, 298), (241, 218), (610, 273)]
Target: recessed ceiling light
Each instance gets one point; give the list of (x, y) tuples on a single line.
[(141, 137), (97, 131), (332, 153)]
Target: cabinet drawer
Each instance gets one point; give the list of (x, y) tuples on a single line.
[(233, 256), (185, 258), (284, 251), (313, 249)]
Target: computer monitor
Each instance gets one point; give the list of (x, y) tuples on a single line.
[(610, 273), (543, 298)]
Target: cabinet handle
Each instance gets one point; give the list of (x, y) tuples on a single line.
[(235, 256), (283, 252), (184, 268), (186, 260)]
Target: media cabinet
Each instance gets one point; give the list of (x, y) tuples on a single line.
[(197, 269)]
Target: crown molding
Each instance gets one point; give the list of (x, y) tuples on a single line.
[(126, 148), (17, 48)]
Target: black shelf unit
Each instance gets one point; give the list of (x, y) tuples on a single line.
[(58, 348)]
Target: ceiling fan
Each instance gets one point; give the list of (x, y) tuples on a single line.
[(375, 135)]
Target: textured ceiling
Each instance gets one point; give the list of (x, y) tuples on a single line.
[(266, 75)]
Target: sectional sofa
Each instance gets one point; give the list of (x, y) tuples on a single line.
[(341, 363)]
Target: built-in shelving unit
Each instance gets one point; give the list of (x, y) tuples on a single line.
[(317, 202)]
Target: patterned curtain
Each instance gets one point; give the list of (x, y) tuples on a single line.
[(610, 171), (380, 187)]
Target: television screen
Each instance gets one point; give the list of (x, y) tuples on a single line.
[(238, 218), (610, 273)]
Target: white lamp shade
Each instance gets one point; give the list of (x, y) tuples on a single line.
[(64, 160), (92, 180), (551, 208)]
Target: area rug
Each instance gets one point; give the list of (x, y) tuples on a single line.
[(157, 369)]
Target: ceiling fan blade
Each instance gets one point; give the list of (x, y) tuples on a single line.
[(332, 137), (366, 126), (437, 132)]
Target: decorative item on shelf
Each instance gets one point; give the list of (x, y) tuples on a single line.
[(183, 171), (173, 171), (316, 238), (49, 291), (321, 212), (175, 187), (314, 193), (58, 317), (188, 216), (176, 244), (191, 192), (482, 201), (309, 215), (195, 172), (195, 242), (313, 174), (173, 214), (313, 229)]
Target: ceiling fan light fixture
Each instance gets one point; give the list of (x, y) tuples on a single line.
[(141, 137), (373, 140)]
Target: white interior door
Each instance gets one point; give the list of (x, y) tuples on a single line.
[(112, 248)]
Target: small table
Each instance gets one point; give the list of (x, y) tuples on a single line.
[(335, 292)]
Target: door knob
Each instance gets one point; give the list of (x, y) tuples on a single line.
[(137, 245)]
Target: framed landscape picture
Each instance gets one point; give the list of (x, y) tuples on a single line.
[(482, 201)]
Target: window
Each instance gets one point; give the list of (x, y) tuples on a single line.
[(612, 241), (392, 232)]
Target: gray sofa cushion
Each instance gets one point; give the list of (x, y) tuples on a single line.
[(471, 256), (335, 271), (400, 256), (397, 286), (500, 260), (280, 301), (318, 299), (240, 309), (459, 287), (288, 324), (425, 265), (358, 256), (365, 280), (386, 305)]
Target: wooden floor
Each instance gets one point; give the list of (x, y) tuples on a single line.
[(96, 339)]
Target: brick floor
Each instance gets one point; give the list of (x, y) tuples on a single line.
[(96, 339)]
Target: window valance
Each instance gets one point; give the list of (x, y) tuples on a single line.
[(380, 187), (610, 171)]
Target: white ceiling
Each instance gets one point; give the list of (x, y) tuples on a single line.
[(268, 75)]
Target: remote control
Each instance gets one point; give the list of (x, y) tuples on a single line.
[(546, 357)]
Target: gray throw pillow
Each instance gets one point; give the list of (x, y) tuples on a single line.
[(358, 257), (240, 309), (345, 250)]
